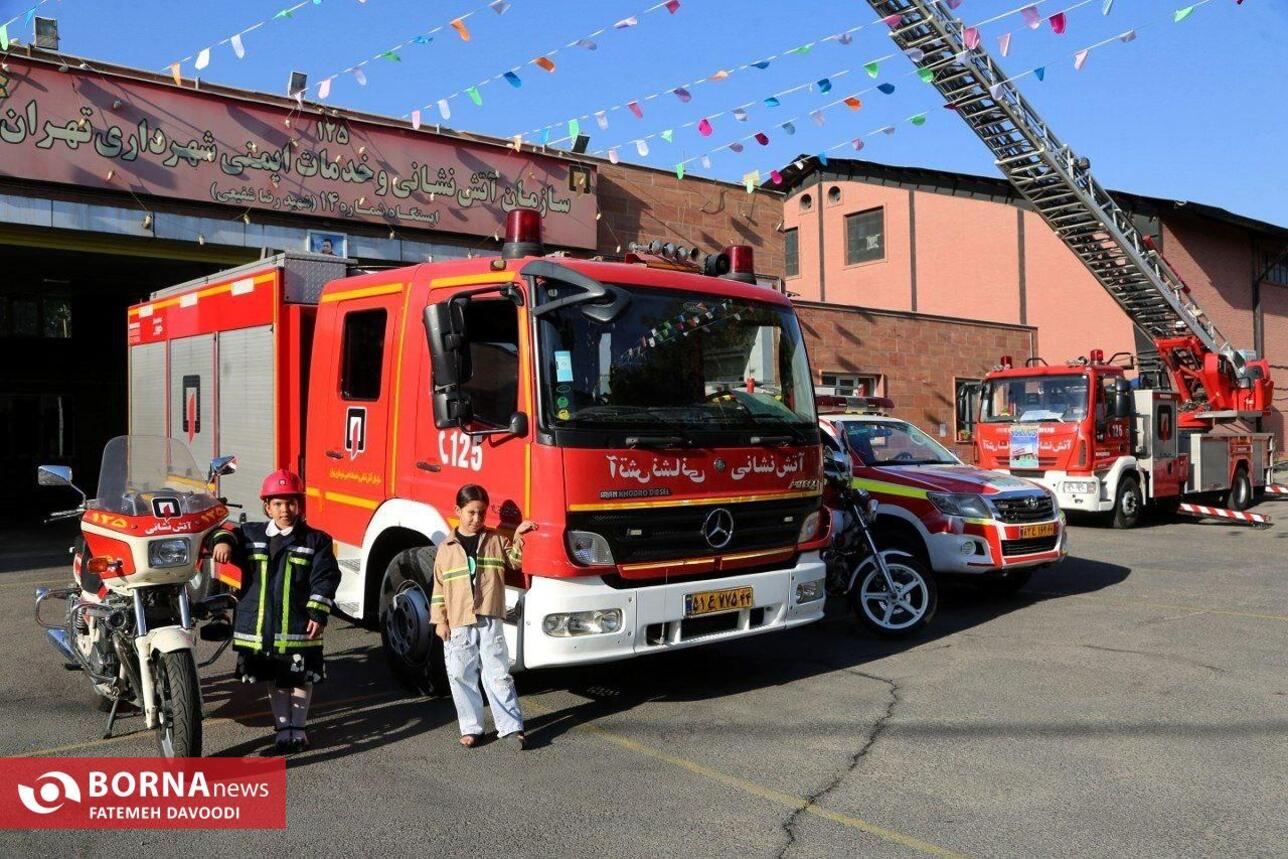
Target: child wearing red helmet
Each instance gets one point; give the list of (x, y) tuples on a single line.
[(289, 578)]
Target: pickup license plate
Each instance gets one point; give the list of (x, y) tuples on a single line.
[(1027, 532), (712, 602)]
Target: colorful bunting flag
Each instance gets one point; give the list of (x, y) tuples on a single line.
[(626, 22), (919, 119), (822, 158), (953, 4), (888, 130), (892, 20), (588, 44), (762, 138), (720, 75), (824, 85), (459, 26), (174, 73), (915, 54), (1080, 59), (285, 13), (739, 114), (704, 127), (1129, 36), (844, 38), (574, 128), (512, 79), (761, 64), (1057, 22), (788, 127), (857, 143), (1040, 73), (706, 162), (389, 55), (203, 59), (641, 146), (995, 91), (415, 119), (668, 135), (886, 88), (422, 40), (499, 6), (31, 13), (1031, 17), (612, 155), (1181, 14), (926, 75), (324, 89), (634, 107), (751, 180), (853, 103), (735, 147), (518, 143), (1004, 43), (775, 177), (444, 108), (970, 38), (4, 37), (682, 94), (679, 169), (1106, 7), (817, 116), (238, 48), (545, 63), (475, 95), (772, 101), (802, 50), (872, 68), (673, 6), (360, 76), (601, 119)]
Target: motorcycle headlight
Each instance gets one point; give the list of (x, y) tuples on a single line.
[(168, 553), (589, 549), (960, 504)]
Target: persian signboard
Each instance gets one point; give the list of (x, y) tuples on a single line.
[(101, 130)]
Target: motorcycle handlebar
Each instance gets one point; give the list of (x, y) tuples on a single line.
[(64, 514)]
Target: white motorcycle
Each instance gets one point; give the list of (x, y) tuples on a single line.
[(130, 620)]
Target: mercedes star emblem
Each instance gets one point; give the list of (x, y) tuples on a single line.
[(718, 528)]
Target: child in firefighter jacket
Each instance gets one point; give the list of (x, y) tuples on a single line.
[(289, 579), (467, 608)]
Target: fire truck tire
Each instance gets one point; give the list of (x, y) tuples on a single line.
[(1240, 497), (413, 649), (1127, 504)]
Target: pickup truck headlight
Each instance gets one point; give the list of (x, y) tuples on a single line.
[(961, 504), (168, 553)]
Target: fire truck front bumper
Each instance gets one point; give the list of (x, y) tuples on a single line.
[(1078, 492), (651, 619)]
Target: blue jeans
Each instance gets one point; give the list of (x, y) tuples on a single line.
[(482, 644)]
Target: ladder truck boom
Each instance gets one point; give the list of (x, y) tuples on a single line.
[(1214, 380)]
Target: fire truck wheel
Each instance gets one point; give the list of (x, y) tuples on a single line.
[(1127, 505), (1240, 497), (414, 650)]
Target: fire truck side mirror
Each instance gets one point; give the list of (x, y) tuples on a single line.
[(448, 343), (1124, 405)]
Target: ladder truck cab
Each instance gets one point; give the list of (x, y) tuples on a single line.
[(1105, 444), (957, 518), (1101, 442), (655, 417)]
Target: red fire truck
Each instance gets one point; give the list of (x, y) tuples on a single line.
[(655, 417), (956, 518), (1102, 443)]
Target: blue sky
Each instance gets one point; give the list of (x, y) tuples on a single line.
[(1191, 110)]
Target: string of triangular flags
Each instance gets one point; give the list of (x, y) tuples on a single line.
[(459, 24), (684, 91), (852, 100), (202, 58), (544, 61), (753, 179), (27, 17)]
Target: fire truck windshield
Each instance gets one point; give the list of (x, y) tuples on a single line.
[(675, 363), (1056, 398)]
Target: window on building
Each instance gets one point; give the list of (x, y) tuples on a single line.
[(967, 407), (1276, 272), (792, 252), (363, 351), (865, 236), (851, 384), (35, 316), (493, 387), (807, 202), (834, 195)]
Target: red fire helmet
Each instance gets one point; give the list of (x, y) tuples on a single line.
[(281, 483)]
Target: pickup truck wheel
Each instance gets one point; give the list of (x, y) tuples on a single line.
[(1240, 497), (413, 649), (1127, 504)]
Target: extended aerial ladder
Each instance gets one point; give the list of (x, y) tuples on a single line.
[(1215, 380)]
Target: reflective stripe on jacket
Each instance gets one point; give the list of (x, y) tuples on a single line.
[(454, 601), (281, 593)]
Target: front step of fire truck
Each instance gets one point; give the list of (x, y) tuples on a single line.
[(582, 620)]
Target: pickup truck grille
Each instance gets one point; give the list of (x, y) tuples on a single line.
[(645, 534), (1017, 508), (1011, 548)]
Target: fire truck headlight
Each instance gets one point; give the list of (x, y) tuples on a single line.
[(1080, 487), (589, 549), (597, 622), (809, 528), (960, 504), (168, 553)]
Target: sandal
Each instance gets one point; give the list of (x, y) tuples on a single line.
[(469, 741), (518, 739)]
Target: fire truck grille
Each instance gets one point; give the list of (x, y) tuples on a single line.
[(1011, 548), (649, 534), (1018, 508)]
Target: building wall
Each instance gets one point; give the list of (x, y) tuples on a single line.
[(638, 204), (919, 357)]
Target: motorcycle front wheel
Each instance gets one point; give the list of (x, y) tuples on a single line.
[(901, 613), (178, 705)]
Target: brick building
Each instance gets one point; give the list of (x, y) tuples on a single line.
[(912, 246)]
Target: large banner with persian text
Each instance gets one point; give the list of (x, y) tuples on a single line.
[(99, 130)]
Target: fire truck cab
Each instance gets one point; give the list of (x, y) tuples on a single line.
[(957, 518), (654, 418)]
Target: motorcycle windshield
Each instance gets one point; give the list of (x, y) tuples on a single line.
[(138, 469)]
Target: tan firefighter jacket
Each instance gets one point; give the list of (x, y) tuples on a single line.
[(454, 602)]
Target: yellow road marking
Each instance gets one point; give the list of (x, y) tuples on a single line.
[(796, 803)]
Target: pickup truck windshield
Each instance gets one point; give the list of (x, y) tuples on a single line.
[(676, 363), (889, 443), (1035, 399)]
